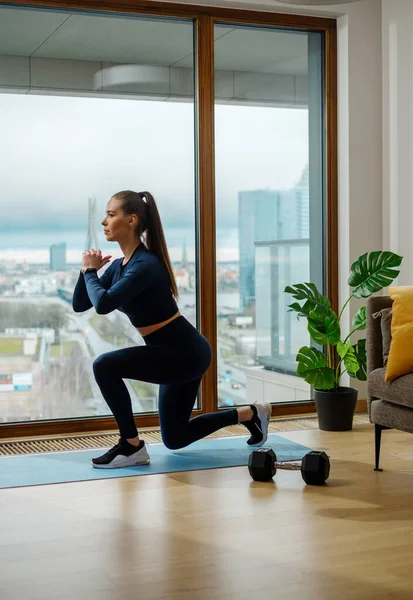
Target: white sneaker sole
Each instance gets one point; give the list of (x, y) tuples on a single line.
[(127, 461), (264, 414)]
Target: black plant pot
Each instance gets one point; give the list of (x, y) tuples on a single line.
[(335, 408)]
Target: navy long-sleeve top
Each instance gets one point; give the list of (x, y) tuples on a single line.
[(141, 289)]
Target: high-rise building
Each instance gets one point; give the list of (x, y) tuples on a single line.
[(184, 261), (92, 238), (58, 257), (263, 215), (302, 195), (183, 273)]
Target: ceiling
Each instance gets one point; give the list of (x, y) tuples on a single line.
[(148, 41), (317, 2)]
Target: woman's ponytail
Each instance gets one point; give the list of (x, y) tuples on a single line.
[(144, 206), (155, 237)]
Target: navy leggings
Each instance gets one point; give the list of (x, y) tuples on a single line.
[(176, 357)]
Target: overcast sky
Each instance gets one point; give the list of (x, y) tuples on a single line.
[(55, 152)]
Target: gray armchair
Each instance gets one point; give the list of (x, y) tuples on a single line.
[(390, 405)]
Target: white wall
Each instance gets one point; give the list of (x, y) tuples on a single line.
[(360, 142), (398, 132)]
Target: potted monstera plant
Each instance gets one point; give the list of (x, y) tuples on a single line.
[(324, 369)]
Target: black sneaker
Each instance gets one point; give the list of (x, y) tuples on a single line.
[(258, 425), (123, 454)]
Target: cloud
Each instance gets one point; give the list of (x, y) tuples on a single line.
[(55, 152)]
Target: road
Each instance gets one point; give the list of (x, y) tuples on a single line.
[(99, 346), (96, 399), (235, 375)]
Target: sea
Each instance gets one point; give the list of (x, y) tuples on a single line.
[(33, 245)]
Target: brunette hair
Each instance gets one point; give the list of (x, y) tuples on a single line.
[(143, 205)]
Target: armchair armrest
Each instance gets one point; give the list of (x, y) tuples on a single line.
[(374, 345)]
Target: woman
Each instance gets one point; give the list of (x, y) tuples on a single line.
[(175, 354)]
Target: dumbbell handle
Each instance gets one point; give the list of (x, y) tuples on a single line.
[(288, 466)]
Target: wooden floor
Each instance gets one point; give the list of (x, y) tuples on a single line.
[(218, 535)]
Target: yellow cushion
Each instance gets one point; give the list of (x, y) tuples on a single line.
[(400, 359)]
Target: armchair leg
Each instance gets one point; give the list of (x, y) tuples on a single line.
[(378, 430)]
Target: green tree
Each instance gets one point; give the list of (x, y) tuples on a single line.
[(28, 314)]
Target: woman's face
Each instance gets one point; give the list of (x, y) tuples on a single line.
[(116, 225)]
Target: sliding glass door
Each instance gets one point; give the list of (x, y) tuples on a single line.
[(269, 128)]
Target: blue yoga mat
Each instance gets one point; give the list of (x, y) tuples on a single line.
[(65, 467)]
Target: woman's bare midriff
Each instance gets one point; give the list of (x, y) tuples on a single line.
[(143, 331)]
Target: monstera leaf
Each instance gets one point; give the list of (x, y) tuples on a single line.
[(312, 366), (361, 356), (323, 326), (360, 319), (311, 295), (369, 274), (347, 353), (372, 272)]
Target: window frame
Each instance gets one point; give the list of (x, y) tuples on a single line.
[(205, 18)]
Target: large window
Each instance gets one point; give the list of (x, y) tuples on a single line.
[(92, 103), (268, 131), (95, 105)]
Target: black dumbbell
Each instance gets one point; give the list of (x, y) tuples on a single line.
[(315, 466)]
